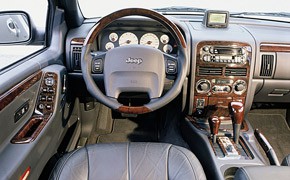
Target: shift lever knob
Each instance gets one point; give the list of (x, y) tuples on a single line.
[(214, 124), (237, 112)]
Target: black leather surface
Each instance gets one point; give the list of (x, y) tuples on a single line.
[(286, 161), (129, 161), (263, 173)]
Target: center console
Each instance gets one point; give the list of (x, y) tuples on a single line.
[(216, 129), (222, 74)]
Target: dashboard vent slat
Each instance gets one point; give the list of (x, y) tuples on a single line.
[(76, 56), (267, 64), (236, 72), (210, 71)]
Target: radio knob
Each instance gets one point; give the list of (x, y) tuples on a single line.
[(206, 58), (206, 48)]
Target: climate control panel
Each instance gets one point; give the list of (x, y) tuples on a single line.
[(221, 86)]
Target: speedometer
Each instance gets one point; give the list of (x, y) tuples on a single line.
[(150, 39), (127, 39)]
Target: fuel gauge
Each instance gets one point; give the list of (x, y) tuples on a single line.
[(109, 46)]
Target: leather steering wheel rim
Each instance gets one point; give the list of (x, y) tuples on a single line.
[(87, 60)]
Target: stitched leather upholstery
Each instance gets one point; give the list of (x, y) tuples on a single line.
[(129, 161), (262, 173)]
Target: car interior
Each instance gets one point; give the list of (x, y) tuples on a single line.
[(167, 93)]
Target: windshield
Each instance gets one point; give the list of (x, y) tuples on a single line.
[(93, 8)]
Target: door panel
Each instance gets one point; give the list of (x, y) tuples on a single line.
[(24, 144), (32, 98)]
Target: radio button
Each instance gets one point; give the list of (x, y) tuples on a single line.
[(207, 58), (206, 48)]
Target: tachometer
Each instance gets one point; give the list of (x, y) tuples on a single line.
[(127, 39), (150, 39)]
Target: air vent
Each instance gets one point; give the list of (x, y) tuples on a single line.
[(267, 64), (76, 56), (236, 72), (210, 71)]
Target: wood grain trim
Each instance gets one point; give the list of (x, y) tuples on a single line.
[(30, 130), (273, 47), (78, 41), (105, 21), (7, 97), (133, 110), (36, 123)]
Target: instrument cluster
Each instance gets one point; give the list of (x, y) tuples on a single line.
[(158, 40)]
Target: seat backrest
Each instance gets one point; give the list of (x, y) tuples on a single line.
[(129, 161)]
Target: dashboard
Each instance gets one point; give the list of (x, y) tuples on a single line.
[(245, 61)]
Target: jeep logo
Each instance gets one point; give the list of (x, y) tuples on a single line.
[(131, 60)]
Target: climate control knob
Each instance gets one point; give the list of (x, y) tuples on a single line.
[(240, 86), (203, 86)]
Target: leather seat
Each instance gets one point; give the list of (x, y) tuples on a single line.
[(263, 172), (129, 161)]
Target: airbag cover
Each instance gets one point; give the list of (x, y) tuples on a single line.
[(134, 68)]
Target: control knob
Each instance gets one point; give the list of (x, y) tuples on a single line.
[(240, 87), (203, 86)]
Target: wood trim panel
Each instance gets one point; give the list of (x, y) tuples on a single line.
[(44, 105), (133, 110), (230, 80), (78, 41), (7, 97), (274, 47)]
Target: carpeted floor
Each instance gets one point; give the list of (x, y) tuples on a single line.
[(131, 130), (273, 125)]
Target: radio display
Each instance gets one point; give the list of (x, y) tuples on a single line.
[(232, 51)]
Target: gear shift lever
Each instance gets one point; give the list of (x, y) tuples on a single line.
[(214, 124), (237, 112)]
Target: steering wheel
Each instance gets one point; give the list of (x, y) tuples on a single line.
[(134, 68)]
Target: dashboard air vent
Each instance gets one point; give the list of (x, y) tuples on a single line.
[(210, 71), (76, 56), (267, 64), (236, 72)]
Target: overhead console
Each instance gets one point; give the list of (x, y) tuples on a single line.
[(222, 74)]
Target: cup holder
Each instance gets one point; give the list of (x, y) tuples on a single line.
[(230, 173)]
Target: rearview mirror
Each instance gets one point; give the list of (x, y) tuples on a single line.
[(14, 28)]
